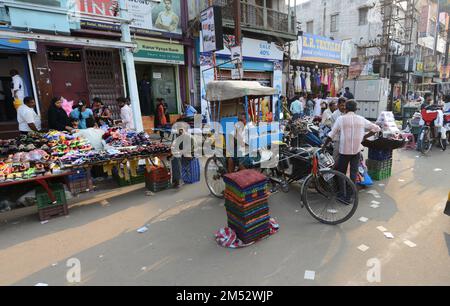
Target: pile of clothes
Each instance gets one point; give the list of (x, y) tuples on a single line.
[(247, 207)]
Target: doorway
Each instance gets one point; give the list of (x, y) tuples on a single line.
[(67, 74), (157, 81)]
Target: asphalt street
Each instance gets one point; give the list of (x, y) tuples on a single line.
[(179, 247)]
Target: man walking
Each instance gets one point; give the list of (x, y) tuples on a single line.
[(296, 109), (351, 128)]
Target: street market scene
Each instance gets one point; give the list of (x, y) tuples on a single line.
[(224, 143)]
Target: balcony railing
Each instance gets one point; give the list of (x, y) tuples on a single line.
[(258, 17)]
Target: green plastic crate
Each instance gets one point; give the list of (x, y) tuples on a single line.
[(375, 165), (43, 200), (380, 175)]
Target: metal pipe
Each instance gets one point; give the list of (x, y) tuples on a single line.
[(131, 70)]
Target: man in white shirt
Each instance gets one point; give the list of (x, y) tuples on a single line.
[(93, 134), (126, 114), (351, 128), (318, 106), (328, 113), (27, 117), (17, 87)]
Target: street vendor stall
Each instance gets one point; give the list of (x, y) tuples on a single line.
[(44, 159)]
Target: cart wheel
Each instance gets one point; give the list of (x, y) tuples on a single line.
[(331, 197), (215, 169)]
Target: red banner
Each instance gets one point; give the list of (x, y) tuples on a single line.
[(97, 7)]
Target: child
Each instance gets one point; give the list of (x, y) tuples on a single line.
[(74, 122)]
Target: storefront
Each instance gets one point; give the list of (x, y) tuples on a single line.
[(78, 73), (157, 65), (14, 54), (262, 62), (318, 65)]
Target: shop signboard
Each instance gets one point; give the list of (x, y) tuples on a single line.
[(319, 49), (147, 16), (253, 49), (160, 52), (212, 30)]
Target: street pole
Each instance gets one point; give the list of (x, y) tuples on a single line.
[(436, 40), (131, 70)]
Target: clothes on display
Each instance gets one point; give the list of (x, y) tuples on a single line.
[(308, 81), (298, 80)]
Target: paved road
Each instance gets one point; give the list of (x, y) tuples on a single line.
[(179, 248)]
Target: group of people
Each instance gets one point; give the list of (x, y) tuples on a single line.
[(309, 105)]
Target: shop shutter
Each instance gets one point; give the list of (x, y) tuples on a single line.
[(104, 77)]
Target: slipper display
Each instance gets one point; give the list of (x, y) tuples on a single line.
[(55, 152)]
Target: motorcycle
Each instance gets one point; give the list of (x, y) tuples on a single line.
[(434, 118)]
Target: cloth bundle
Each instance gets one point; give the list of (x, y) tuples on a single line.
[(247, 205)]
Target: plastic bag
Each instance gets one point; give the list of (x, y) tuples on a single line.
[(17, 103)]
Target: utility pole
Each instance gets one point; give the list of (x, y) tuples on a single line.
[(131, 70)]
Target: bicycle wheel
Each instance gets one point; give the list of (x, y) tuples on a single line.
[(215, 169), (331, 197), (425, 141)]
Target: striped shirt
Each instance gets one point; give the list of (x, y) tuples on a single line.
[(351, 129)]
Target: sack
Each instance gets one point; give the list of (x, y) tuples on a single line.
[(17, 103)]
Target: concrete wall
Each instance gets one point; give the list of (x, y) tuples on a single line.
[(348, 24)]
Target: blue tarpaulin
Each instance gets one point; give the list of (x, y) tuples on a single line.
[(16, 45)]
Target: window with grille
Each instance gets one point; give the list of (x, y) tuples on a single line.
[(310, 27), (334, 23), (363, 16)]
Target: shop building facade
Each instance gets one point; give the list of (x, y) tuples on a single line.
[(78, 54)]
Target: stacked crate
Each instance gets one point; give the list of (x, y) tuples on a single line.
[(380, 164), (158, 179), (80, 182), (46, 208), (246, 203)]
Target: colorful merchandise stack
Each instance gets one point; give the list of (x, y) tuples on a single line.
[(246, 196), (158, 179), (379, 164)]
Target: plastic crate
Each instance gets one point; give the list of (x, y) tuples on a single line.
[(380, 175), (190, 171), (157, 174), (80, 182), (375, 165), (380, 155), (51, 212), (133, 180), (43, 200), (157, 187), (79, 174)]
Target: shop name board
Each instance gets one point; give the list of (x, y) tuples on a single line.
[(319, 49), (160, 52), (252, 49)]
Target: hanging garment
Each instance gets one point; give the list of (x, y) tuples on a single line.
[(308, 82), (298, 82), (303, 80)]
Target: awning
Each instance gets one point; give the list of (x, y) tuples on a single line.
[(17, 45), (229, 90)]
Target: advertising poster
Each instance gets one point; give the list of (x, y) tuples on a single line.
[(277, 84), (147, 15), (212, 31)]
